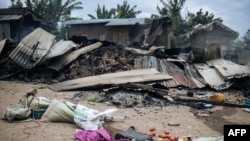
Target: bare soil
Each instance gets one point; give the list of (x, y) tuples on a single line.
[(141, 118)]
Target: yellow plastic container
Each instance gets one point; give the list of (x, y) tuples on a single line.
[(218, 97)]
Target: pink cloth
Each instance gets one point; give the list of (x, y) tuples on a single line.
[(95, 135)]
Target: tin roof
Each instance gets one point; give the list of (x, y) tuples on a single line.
[(212, 77), (109, 22), (32, 49), (186, 75), (229, 69), (10, 17), (210, 27), (60, 48), (16, 13)]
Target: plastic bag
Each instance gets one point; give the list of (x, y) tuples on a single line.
[(40, 103), (59, 111), (22, 110), (16, 113), (90, 119)]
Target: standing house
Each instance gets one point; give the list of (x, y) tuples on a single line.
[(119, 31), (212, 33), (213, 38), (15, 23)]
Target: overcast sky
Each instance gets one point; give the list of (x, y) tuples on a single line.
[(235, 13)]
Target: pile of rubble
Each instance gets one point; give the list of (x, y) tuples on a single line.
[(39, 58)]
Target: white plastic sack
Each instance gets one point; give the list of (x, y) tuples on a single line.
[(90, 119)]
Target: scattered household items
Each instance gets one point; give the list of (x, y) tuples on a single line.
[(132, 134), (22, 110), (90, 119), (59, 111), (218, 97), (135, 70), (165, 135), (96, 135), (30, 106)]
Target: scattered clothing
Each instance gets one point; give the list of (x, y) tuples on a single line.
[(95, 135)]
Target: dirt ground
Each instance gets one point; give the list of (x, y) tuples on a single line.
[(141, 118)]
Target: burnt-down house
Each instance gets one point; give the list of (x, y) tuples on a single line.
[(204, 36), (120, 31), (15, 23)]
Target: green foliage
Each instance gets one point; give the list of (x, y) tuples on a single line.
[(103, 13), (200, 17), (238, 45), (125, 11), (121, 11), (246, 39), (162, 12), (53, 11), (16, 4), (242, 44), (174, 10)]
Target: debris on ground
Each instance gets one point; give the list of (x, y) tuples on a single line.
[(143, 75)]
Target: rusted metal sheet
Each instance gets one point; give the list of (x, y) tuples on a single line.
[(229, 69), (61, 61), (32, 49), (194, 77), (186, 75), (212, 77), (138, 75)]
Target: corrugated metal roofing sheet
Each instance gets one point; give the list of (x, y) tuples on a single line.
[(10, 17), (130, 76), (31, 50), (60, 48), (109, 22), (92, 21), (119, 22), (229, 69), (209, 27), (186, 76), (212, 77)]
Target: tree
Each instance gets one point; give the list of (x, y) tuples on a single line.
[(246, 39), (173, 8), (16, 4), (103, 13), (162, 12), (200, 17), (53, 11), (125, 11)]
